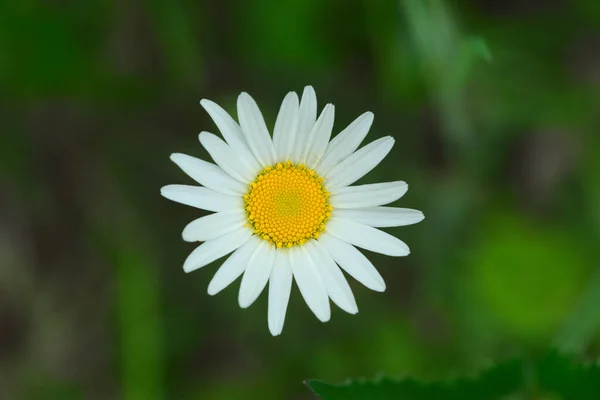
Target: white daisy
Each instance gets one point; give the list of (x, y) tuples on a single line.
[(285, 208)]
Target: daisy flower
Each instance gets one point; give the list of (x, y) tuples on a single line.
[(285, 208)]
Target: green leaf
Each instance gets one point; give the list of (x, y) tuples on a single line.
[(472, 50), (570, 379), (584, 320), (500, 380), (478, 47)]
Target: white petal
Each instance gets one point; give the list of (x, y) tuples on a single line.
[(306, 120), (208, 174), (280, 286), (257, 274), (381, 217), (227, 158), (200, 197), (286, 125), (213, 225), (319, 136), (367, 237), (214, 249), (310, 283), (374, 194), (255, 130), (336, 284), (233, 267), (359, 164), (353, 262), (230, 129), (232, 133), (345, 143)]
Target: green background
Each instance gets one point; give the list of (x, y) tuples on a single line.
[(495, 108)]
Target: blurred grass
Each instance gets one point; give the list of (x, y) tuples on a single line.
[(137, 294), (140, 326), (500, 154), (582, 325), (175, 24)]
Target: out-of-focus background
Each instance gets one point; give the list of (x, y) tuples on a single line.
[(495, 109)]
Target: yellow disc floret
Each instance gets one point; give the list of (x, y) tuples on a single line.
[(287, 205)]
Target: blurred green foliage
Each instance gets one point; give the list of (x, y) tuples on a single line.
[(494, 107), (499, 381), (553, 374), (569, 379), (532, 267)]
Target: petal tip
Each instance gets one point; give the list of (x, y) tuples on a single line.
[(211, 290), (291, 96), (274, 332), (185, 235), (203, 136), (275, 327), (402, 252), (207, 104), (187, 268), (243, 304), (379, 287), (309, 93), (164, 190), (243, 301), (176, 157), (351, 308), (419, 216)]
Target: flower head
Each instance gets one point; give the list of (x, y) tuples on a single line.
[(285, 208)]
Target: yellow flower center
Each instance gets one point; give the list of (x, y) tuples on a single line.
[(287, 204)]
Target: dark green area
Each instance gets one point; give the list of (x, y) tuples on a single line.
[(497, 382), (494, 106), (554, 374), (569, 378)]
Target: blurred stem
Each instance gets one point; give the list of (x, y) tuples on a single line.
[(447, 58), (584, 321), (445, 63), (137, 296), (175, 34), (138, 309)]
